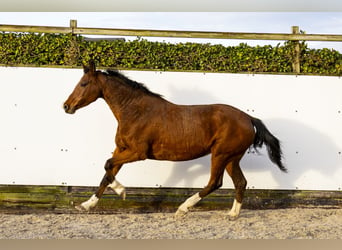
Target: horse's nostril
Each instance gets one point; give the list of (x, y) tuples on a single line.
[(66, 107)]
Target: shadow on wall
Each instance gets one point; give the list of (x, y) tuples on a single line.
[(305, 149), (186, 172)]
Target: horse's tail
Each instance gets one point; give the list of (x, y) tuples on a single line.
[(263, 136)]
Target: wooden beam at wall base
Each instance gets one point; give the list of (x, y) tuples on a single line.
[(62, 199)]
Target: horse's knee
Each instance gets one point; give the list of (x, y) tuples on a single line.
[(108, 178), (109, 165)]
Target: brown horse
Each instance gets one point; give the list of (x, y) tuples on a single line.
[(150, 127)]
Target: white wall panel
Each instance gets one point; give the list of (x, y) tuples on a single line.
[(41, 145)]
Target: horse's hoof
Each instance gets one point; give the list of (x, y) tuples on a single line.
[(180, 214), (80, 208), (232, 218), (123, 195)]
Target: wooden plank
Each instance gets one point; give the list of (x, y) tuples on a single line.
[(207, 34), (14, 198), (169, 33), (35, 29)]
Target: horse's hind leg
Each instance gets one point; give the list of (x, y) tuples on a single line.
[(240, 183), (215, 182)]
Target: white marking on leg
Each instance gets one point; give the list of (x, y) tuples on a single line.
[(235, 211), (190, 202), (90, 203), (118, 188)]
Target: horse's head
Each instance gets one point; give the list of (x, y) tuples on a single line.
[(86, 91)]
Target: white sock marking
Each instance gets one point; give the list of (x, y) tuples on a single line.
[(235, 211), (90, 203), (118, 188), (190, 202)]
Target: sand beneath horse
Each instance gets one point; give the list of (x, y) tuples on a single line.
[(316, 223)]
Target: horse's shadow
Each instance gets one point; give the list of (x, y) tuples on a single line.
[(305, 149), (185, 173)]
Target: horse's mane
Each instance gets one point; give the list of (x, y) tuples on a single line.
[(133, 84)]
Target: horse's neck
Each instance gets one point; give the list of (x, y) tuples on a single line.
[(121, 99)]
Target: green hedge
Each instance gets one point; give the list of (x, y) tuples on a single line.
[(70, 50)]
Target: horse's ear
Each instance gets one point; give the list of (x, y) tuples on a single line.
[(89, 68)]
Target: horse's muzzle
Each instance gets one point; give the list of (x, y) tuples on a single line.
[(68, 109)]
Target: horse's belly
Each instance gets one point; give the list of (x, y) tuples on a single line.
[(178, 152)]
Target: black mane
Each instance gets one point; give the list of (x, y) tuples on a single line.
[(133, 84)]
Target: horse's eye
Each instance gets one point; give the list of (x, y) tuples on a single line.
[(83, 84)]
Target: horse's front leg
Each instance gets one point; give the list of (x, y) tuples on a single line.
[(108, 180), (112, 167)]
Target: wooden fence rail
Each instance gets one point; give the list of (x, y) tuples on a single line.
[(74, 29)]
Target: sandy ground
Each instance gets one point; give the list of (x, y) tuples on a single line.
[(306, 223)]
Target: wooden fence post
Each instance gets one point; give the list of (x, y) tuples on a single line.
[(73, 25), (73, 50), (296, 60)]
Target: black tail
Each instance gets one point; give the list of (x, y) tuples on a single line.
[(263, 136)]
